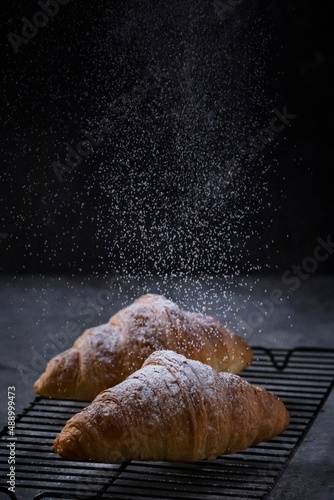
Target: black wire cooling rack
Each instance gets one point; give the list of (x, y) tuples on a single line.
[(302, 378)]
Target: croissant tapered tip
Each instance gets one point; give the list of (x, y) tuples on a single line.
[(68, 444), (60, 379)]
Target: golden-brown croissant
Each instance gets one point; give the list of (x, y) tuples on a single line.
[(173, 409), (105, 355)]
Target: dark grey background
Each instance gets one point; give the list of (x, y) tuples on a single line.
[(152, 196)]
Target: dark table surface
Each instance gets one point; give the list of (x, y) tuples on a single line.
[(37, 311)]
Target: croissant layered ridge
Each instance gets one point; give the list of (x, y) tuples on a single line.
[(173, 409), (104, 356)]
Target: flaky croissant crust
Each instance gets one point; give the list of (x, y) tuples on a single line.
[(105, 355), (173, 409)]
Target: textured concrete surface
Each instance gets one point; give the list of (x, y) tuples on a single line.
[(35, 312), (310, 473)]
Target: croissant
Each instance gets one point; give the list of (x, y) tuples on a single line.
[(173, 409), (105, 355)]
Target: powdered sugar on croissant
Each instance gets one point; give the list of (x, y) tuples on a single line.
[(173, 409), (105, 355)]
